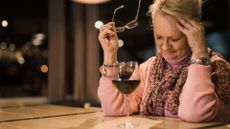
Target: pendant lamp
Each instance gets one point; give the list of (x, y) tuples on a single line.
[(90, 1)]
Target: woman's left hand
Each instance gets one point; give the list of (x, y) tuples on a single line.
[(195, 34)]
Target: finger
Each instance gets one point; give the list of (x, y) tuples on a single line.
[(182, 28), (197, 23), (107, 31), (105, 27), (108, 25), (113, 28), (185, 22), (110, 33), (106, 34)]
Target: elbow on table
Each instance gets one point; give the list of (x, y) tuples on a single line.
[(204, 108), (195, 117)]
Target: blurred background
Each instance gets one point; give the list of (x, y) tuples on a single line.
[(49, 48)]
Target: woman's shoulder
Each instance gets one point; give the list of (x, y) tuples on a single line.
[(216, 56), (217, 60), (148, 62)]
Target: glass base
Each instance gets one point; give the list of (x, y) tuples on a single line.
[(127, 125)]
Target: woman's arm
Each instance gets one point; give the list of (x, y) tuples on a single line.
[(198, 100), (112, 101)]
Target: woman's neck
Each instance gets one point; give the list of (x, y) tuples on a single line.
[(175, 64)]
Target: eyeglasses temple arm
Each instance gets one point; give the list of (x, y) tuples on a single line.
[(138, 9), (114, 12)]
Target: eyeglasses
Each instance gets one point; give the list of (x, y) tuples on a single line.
[(130, 25)]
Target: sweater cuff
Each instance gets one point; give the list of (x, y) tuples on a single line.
[(200, 71)]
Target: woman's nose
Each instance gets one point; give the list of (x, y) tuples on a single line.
[(165, 45)]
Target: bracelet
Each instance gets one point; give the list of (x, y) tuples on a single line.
[(103, 72), (111, 65), (201, 61)]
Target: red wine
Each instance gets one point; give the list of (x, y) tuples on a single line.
[(125, 75), (126, 86)]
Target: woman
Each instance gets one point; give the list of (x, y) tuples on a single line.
[(184, 80)]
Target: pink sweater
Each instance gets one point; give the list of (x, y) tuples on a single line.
[(198, 101)]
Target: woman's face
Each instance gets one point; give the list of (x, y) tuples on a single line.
[(170, 41)]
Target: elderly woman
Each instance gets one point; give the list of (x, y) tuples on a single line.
[(185, 79)]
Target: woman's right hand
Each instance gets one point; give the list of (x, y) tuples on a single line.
[(109, 41)]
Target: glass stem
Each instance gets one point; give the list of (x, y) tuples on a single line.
[(127, 107)]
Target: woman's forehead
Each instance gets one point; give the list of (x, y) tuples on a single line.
[(165, 25)]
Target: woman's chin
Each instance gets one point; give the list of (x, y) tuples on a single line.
[(171, 58)]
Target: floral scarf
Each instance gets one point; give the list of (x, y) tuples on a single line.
[(166, 84)]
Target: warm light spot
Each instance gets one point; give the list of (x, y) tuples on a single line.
[(40, 36), (18, 54), (21, 60), (4, 23), (27, 46), (37, 39), (44, 68), (120, 42), (98, 24), (3, 45), (12, 47)]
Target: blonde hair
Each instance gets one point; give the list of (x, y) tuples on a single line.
[(180, 8)]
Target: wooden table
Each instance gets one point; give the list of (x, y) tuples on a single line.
[(48, 116)]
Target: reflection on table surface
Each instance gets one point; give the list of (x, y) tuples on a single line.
[(48, 116)]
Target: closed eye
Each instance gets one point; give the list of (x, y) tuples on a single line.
[(176, 39), (159, 37)]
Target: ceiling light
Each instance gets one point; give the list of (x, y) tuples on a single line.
[(4, 23), (91, 1)]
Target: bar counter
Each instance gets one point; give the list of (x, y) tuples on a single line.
[(48, 116)]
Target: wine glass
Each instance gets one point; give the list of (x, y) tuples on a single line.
[(126, 79)]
